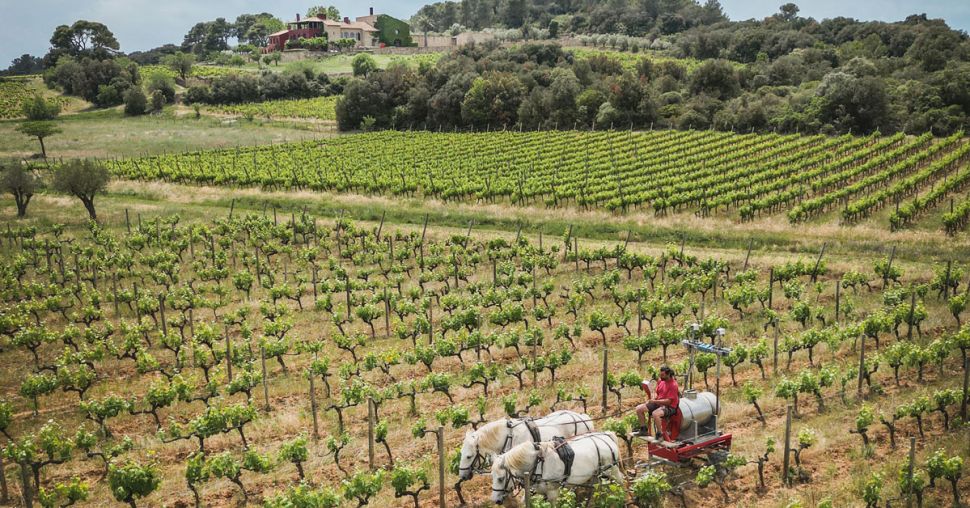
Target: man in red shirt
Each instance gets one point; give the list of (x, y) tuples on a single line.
[(663, 404)]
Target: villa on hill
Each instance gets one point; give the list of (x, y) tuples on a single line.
[(369, 31)]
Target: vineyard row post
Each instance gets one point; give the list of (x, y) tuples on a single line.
[(862, 364), (228, 356), (441, 466), (370, 433), (262, 359), (25, 484), (161, 310), (966, 386), (313, 405), (605, 370), (838, 299), (4, 493), (909, 472), (785, 459)]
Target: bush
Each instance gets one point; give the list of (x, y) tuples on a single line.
[(158, 101), (109, 95), (235, 88), (102, 82), (363, 64), (39, 108), (135, 101), (198, 94), (158, 82)]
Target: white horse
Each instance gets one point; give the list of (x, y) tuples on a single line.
[(500, 436), (596, 456)]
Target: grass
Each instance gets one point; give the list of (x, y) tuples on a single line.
[(109, 133), (714, 234)]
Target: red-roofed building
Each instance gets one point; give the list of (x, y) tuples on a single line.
[(319, 26)]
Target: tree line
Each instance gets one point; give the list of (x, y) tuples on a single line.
[(819, 89)]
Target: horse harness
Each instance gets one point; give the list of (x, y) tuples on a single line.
[(567, 455), (533, 428)]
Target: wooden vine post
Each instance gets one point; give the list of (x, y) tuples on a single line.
[(4, 493), (785, 461), (966, 387), (605, 370), (25, 483), (441, 466), (909, 472), (313, 405), (161, 310), (370, 433), (862, 364), (838, 298), (229, 356), (262, 360)]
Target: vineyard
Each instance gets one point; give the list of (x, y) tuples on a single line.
[(13, 92), (318, 108), (198, 71), (287, 360), (741, 176)]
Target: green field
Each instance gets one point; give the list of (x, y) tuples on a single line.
[(109, 133)]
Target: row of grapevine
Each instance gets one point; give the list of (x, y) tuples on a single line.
[(319, 108), (663, 171)]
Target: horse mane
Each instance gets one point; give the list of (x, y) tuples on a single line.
[(489, 435), (516, 458)]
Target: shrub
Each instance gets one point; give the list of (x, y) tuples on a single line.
[(39, 108), (135, 102)]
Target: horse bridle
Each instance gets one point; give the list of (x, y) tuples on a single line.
[(479, 459), (514, 481)]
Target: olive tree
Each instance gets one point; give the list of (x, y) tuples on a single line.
[(21, 183), (41, 130), (84, 180)]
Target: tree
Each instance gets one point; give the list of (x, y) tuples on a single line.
[(82, 179), (493, 100), (715, 78), (788, 12), (331, 12), (135, 101), (851, 103), (181, 63), (25, 64), (934, 47), (255, 28), (39, 130), (21, 183), (363, 64), (37, 108), (83, 38)]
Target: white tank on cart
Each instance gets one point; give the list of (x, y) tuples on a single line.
[(696, 406)]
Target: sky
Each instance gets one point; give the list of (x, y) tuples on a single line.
[(144, 24)]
